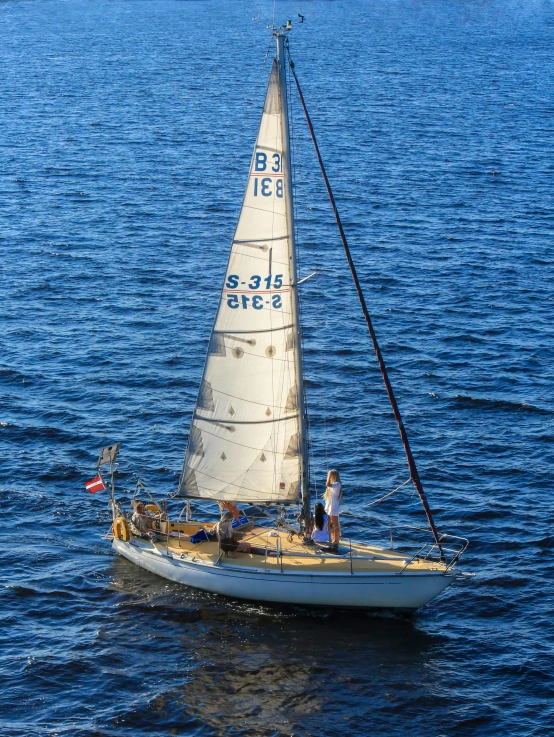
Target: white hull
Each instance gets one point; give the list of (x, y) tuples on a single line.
[(363, 590)]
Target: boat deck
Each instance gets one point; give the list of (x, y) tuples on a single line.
[(287, 553)]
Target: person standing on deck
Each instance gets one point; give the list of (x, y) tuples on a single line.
[(333, 499)]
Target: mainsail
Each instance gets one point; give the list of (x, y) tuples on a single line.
[(246, 439)]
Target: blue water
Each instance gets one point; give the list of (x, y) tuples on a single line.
[(125, 134)]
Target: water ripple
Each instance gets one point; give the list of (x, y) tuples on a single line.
[(124, 150)]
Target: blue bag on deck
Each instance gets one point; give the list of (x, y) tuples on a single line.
[(239, 522), (199, 537)]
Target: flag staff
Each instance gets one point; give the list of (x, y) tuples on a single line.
[(109, 455)]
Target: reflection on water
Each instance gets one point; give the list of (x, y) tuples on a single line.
[(263, 669)]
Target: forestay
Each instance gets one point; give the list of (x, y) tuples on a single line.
[(245, 436)]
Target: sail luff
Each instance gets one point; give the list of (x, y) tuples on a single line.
[(304, 466)]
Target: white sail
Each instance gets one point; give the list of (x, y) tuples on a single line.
[(246, 437)]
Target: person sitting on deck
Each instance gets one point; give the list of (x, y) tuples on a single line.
[(141, 522), (229, 544), (320, 533), (224, 531)]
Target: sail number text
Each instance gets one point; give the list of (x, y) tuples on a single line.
[(267, 186), (257, 301)]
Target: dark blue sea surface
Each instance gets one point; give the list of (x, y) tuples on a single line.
[(126, 130)]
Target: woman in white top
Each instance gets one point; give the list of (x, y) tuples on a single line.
[(320, 533), (333, 498)]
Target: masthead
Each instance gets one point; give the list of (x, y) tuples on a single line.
[(281, 30)]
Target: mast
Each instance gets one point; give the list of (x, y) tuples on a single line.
[(280, 39)]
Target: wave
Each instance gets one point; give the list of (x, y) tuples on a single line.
[(501, 404), (40, 432), (14, 376), (26, 591)]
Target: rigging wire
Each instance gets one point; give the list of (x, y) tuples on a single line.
[(376, 501), (405, 442)]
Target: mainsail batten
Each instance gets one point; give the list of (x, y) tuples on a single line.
[(246, 439)]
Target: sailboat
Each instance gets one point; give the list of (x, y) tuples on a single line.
[(248, 442)]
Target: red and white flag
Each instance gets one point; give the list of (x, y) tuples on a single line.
[(95, 484)]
